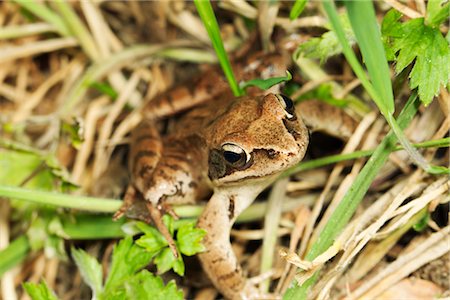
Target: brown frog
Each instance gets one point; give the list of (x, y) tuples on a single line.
[(234, 146)]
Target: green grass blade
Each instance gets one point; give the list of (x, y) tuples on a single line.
[(14, 254), (353, 197), (46, 14), (209, 20), (331, 11), (366, 30), (79, 30), (297, 9), (364, 23)]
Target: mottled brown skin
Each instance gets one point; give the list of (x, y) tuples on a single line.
[(182, 165)]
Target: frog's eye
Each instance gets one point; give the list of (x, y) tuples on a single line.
[(288, 106), (235, 155)]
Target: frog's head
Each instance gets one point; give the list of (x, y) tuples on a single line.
[(255, 139)]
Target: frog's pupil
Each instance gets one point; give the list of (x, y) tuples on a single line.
[(231, 157)]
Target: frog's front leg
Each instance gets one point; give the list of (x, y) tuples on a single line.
[(219, 260)]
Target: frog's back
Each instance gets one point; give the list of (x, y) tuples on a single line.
[(196, 120)]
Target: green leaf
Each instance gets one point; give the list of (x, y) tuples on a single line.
[(105, 89), (17, 166), (74, 130), (265, 84), (297, 9), (14, 254), (324, 93), (437, 12), (423, 223), (415, 40), (390, 27), (127, 259), (90, 269), (166, 261), (43, 233), (147, 286), (189, 239), (169, 222), (328, 44), (39, 291), (152, 240)]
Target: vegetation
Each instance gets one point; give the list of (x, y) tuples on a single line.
[(74, 76)]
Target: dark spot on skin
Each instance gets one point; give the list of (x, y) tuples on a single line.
[(177, 156), (141, 154), (231, 207), (192, 185), (291, 129), (272, 153), (145, 137), (210, 87), (214, 261), (170, 166), (227, 276), (170, 99), (145, 171)]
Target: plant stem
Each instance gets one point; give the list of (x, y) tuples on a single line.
[(61, 200)]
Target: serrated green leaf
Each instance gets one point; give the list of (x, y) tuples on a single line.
[(432, 68), (127, 259), (414, 40), (189, 239), (437, 12), (152, 240), (178, 266), (265, 84), (39, 291), (324, 93), (326, 45), (90, 270), (147, 286), (390, 27), (169, 222), (165, 261)]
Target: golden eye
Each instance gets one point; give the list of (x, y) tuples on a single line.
[(235, 155), (288, 106)]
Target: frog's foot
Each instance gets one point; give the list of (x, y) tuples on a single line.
[(128, 201), (156, 215), (167, 209)]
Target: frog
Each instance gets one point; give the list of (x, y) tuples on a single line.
[(233, 146)]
